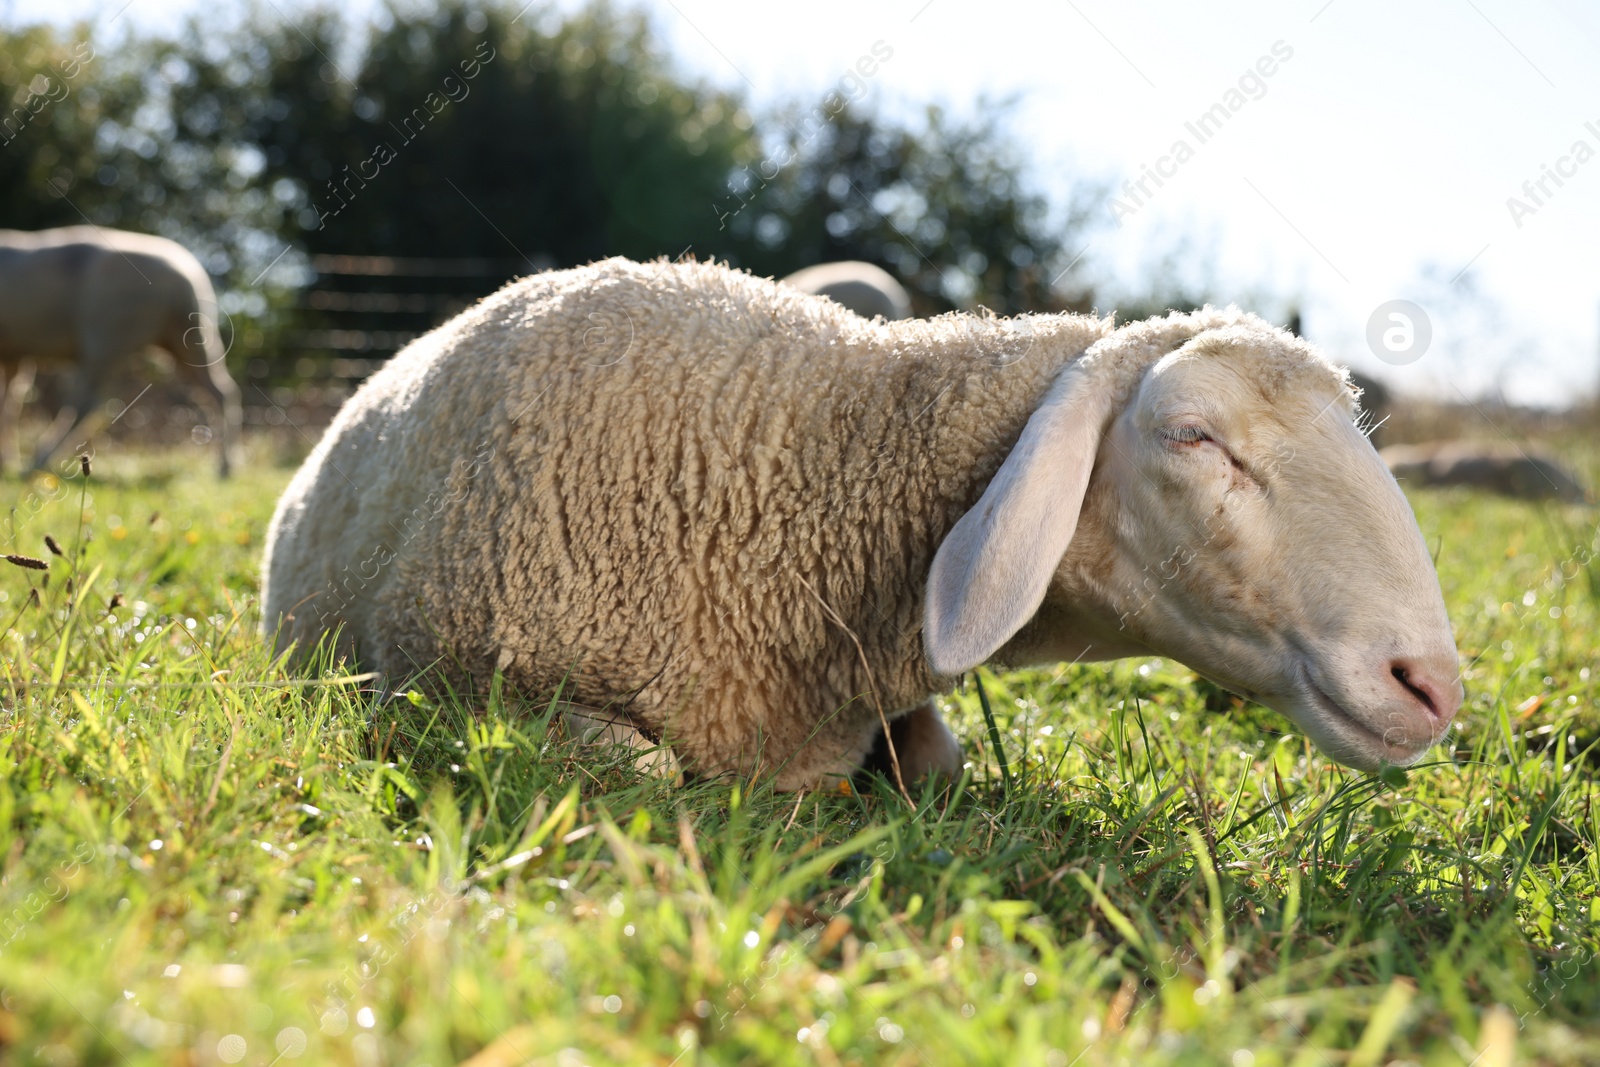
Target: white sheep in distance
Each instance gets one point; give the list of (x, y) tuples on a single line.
[(757, 525), (864, 288), (91, 299)]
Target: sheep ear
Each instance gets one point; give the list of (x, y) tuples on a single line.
[(991, 573)]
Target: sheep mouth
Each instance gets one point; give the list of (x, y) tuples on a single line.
[(1370, 742)]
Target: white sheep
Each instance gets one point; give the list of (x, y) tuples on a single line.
[(91, 299), (864, 288), (756, 525)]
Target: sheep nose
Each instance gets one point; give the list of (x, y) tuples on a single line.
[(1437, 691)]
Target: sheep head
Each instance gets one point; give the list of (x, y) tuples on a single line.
[(1201, 491)]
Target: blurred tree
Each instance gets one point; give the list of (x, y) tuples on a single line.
[(133, 136), (465, 131), (460, 131), (943, 207), (53, 94), (525, 137)]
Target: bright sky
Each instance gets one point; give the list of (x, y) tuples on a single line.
[(1374, 163)]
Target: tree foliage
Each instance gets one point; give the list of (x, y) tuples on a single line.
[(943, 206), (514, 135), (55, 98)]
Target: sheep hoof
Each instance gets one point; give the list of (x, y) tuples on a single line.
[(593, 727)]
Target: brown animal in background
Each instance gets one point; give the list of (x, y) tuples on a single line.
[(1503, 469), (91, 299)]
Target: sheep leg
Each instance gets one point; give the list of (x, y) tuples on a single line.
[(597, 727), (830, 761), (15, 381), (78, 412), (207, 377), (924, 744)]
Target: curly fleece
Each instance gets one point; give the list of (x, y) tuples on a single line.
[(705, 496)]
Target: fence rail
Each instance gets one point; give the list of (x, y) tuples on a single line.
[(392, 266), (360, 309)]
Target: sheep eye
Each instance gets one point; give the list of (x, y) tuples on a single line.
[(1186, 434)]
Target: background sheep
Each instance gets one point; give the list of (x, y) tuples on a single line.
[(866, 289), (91, 299), (759, 525), (1503, 469)]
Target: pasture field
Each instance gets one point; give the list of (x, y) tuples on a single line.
[(210, 859)]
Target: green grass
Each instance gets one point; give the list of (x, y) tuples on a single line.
[(209, 859)]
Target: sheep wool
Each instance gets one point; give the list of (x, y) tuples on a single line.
[(701, 497)]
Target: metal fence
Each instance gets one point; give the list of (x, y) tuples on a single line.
[(360, 310)]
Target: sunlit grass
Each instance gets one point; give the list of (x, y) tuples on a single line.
[(210, 859)]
